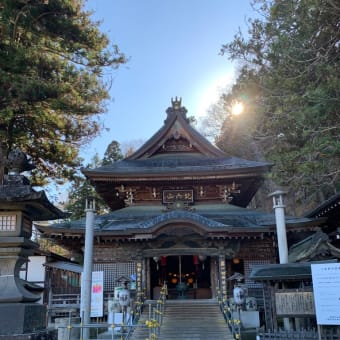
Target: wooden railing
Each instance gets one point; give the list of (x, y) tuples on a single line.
[(66, 305)]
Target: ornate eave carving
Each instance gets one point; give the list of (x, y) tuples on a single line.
[(177, 144)]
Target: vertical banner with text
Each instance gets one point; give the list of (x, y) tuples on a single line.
[(97, 295)]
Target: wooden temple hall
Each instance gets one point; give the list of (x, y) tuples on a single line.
[(179, 214)]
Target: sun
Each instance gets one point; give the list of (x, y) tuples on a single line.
[(237, 108)]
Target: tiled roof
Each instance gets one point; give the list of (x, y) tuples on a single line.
[(159, 165), (69, 266), (327, 207), (287, 271), (34, 202), (311, 247), (217, 217)]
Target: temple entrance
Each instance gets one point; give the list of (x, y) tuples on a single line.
[(187, 276)]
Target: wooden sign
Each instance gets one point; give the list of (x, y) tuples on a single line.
[(171, 196), (295, 303)]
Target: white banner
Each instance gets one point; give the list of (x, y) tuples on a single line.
[(326, 287), (97, 294)]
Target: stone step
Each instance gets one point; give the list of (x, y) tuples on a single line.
[(194, 320), (186, 320)]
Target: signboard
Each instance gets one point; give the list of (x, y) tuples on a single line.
[(97, 294), (294, 303), (326, 286), (171, 196)]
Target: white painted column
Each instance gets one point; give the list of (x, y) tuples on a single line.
[(87, 271), (279, 208)]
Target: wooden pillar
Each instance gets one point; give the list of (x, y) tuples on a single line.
[(147, 277), (213, 277), (139, 269), (222, 277), (269, 305)]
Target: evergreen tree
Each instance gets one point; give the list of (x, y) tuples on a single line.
[(112, 153), (291, 63), (82, 188), (52, 58)]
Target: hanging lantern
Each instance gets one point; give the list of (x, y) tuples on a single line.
[(236, 260), (196, 262), (163, 261), (174, 280)]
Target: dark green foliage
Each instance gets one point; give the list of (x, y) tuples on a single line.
[(82, 188), (290, 77), (52, 58), (78, 194), (112, 153)]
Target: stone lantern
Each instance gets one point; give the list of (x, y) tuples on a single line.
[(20, 205)]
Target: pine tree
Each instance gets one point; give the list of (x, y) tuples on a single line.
[(52, 58)]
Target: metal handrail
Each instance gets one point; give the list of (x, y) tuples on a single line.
[(233, 324), (153, 323), (155, 316)]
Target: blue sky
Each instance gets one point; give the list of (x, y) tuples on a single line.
[(173, 49)]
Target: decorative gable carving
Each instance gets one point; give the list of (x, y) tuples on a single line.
[(177, 144)]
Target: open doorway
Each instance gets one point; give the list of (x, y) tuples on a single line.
[(187, 276)]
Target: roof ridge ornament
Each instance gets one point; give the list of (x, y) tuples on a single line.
[(177, 108), (176, 103)]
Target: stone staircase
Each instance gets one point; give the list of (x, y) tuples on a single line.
[(190, 320)]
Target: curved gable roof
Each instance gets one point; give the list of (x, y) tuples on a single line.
[(177, 129)]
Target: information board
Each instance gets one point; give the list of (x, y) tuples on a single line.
[(294, 303), (326, 286)]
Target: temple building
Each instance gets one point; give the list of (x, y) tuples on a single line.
[(180, 215)]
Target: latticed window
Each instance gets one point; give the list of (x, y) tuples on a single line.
[(8, 222), (247, 270), (113, 271)]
